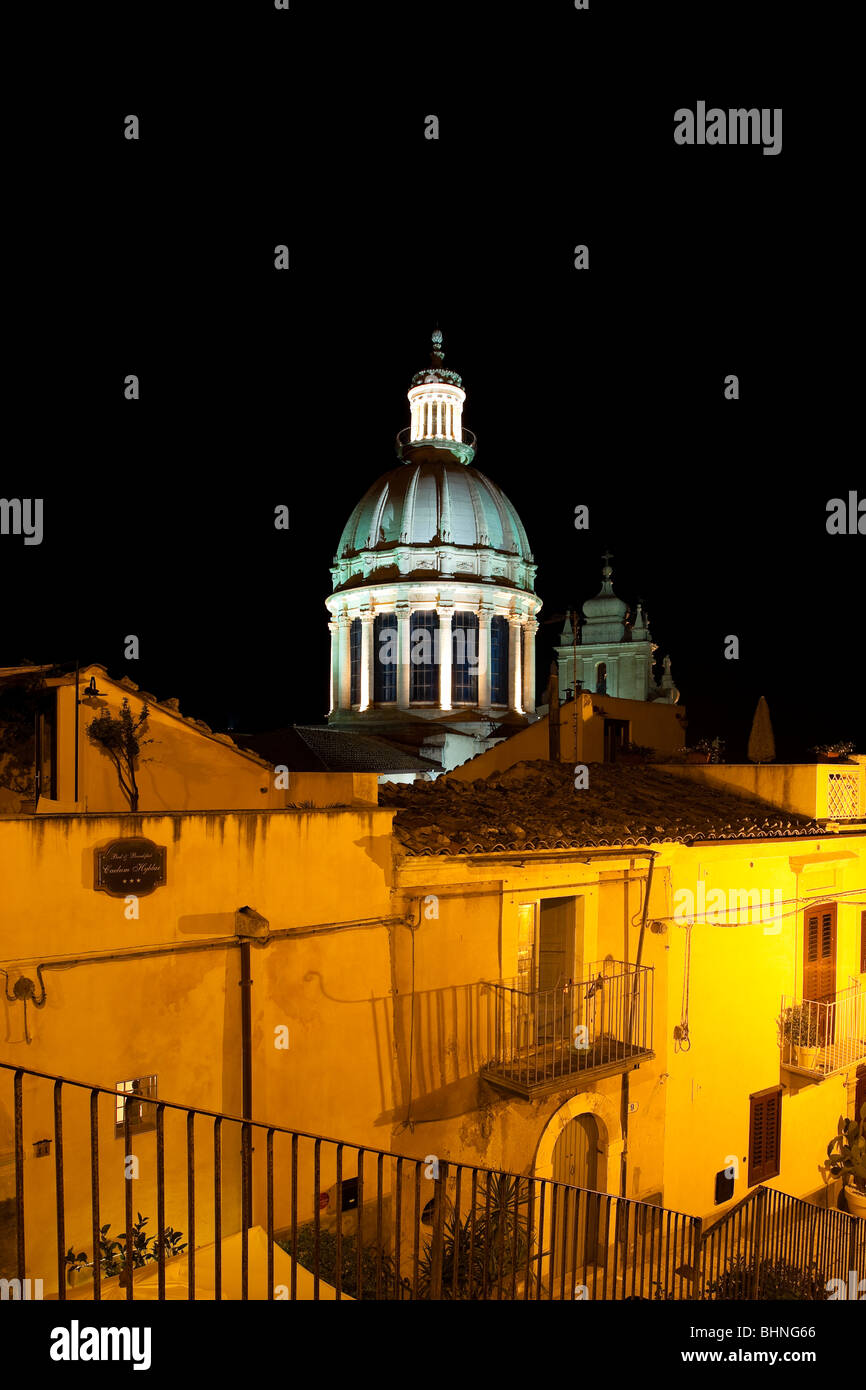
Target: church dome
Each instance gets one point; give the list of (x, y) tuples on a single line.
[(436, 516), (429, 503), (433, 605)]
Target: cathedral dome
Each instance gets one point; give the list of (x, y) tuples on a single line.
[(433, 604), (434, 514), (434, 517)]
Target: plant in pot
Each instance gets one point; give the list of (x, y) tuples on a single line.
[(800, 1034), (846, 1159), (834, 750), (701, 753)]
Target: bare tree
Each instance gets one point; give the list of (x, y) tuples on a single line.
[(119, 739)]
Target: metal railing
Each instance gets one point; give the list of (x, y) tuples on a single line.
[(821, 1037), (603, 1021), (341, 1220), (404, 437), (770, 1244)]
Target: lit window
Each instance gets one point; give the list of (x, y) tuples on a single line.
[(385, 657), (423, 655), (464, 662), (141, 1115), (499, 661), (355, 661)]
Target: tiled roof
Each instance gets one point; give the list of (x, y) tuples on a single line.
[(535, 806), (318, 748)]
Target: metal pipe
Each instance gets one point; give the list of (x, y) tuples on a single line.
[(246, 1061), (625, 1088), (75, 798), (214, 944)]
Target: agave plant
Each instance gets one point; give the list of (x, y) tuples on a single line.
[(846, 1153), (490, 1245)]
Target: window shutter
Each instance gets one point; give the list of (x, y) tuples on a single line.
[(765, 1134), (819, 954), (863, 943)]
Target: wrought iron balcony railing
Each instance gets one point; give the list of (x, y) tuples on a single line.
[(822, 1037), (242, 1210), (596, 1026)]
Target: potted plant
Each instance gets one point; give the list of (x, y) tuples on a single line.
[(846, 1159), (800, 1032), (707, 750), (833, 750)]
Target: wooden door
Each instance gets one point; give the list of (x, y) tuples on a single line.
[(555, 971), (575, 1161)]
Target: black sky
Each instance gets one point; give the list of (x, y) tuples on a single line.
[(603, 388)]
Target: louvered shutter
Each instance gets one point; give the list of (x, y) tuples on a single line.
[(765, 1134), (819, 954)]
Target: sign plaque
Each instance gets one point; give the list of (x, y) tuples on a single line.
[(129, 866)]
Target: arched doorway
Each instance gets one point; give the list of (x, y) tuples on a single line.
[(575, 1162)]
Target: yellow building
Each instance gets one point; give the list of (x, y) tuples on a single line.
[(502, 973)]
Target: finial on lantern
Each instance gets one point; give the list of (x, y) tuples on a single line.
[(437, 356)]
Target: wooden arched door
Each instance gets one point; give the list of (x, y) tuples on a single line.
[(575, 1161)]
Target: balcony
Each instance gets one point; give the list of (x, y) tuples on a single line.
[(582, 1030), (822, 1037), (463, 448)]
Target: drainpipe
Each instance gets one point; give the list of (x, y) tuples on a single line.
[(624, 1090), (246, 985), (75, 798)]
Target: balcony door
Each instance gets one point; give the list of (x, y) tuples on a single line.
[(819, 966), (555, 971)]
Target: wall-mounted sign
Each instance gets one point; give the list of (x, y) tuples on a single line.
[(129, 866)]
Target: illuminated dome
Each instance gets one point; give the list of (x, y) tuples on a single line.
[(433, 605), (434, 516)]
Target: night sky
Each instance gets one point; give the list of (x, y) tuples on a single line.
[(602, 387)]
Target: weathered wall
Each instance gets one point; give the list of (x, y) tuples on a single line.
[(802, 788), (183, 767), (652, 724)]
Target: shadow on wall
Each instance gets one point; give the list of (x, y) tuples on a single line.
[(449, 1034)]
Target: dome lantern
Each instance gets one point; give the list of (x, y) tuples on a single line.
[(436, 399)]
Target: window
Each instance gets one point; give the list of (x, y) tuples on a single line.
[(526, 947), (863, 943), (424, 654), (384, 658), (355, 661), (141, 1115), (464, 665), (765, 1134), (499, 661)]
